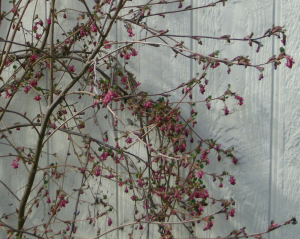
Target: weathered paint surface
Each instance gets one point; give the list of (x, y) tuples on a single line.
[(265, 131)]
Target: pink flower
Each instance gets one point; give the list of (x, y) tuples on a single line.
[(226, 111), (15, 10), (208, 225), (67, 228), (33, 83), (147, 104), (231, 212), (71, 68), (93, 28), (215, 65), (133, 197), (108, 97), (128, 140), (48, 21), (15, 163), (48, 200), (38, 36), (37, 98), (124, 80), (202, 89), (109, 222), (26, 89), (232, 180), (41, 23), (107, 46), (7, 62), (82, 33), (134, 52), (127, 56), (33, 57), (289, 62), (200, 174), (97, 171), (130, 34), (240, 99)]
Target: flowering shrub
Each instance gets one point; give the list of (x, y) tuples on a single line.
[(78, 92)]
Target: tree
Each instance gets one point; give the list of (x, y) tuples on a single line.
[(80, 91)]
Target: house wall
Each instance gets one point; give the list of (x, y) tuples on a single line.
[(264, 131)]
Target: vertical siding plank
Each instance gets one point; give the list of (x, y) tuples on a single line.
[(287, 118), (247, 128)]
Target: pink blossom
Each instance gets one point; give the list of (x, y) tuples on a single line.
[(15, 10), (109, 222), (93, 28), (208, 225), (37, 74), (130, 34), (231, 212), (71, 68), (82, 33), (41, 23), (134, 52), (226, 111), (48, 200), (37, 98), (200, 174), (97, 171), (289, 62), (15, 163), (33, 83), (216, 64), (124, 80), (133, 197), (240, 99), (38, 36), (33, 57), (107, 46), (7, 62), (108, 98), (208, 105), (147, 104), (232, 180), (26, 89), (48, 21), (128, 140), (127, 56)]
